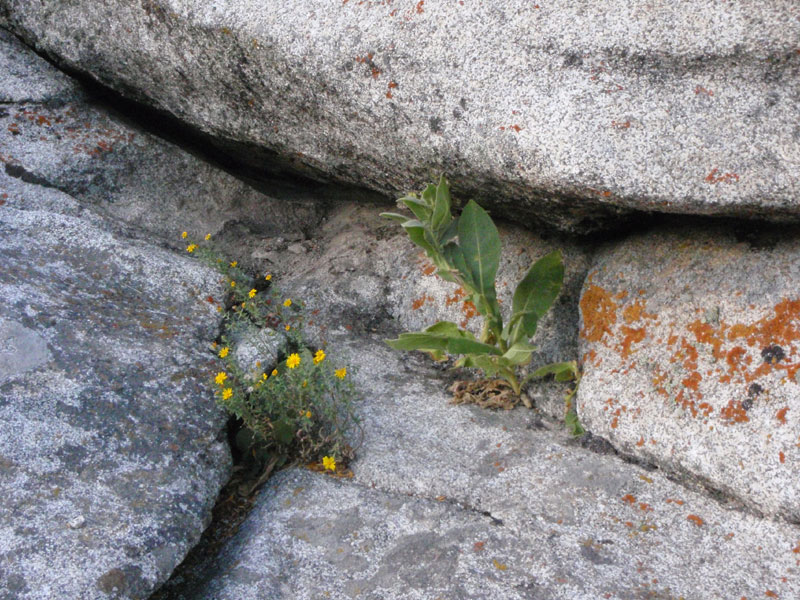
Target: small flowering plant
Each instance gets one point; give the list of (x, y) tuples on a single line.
[(297, 406)]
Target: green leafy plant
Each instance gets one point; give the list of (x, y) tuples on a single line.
[(466, 250), (296, 402)]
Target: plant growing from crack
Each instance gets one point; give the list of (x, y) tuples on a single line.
[(296, 404), (466, 250)]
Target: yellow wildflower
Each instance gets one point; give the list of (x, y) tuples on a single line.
[(224, 352), (208, 236), (268, 277), (227, 393), (258, 364), (233, 284), (214, 345), (264, 376), (305, 383), (293, 360), (287, 302), (219, 309), (319, 357), (329, 463), (288, 327), (234, 263), (252, 293), (308, 414), (242, 304), (341, 373), (184, 234), (220, 378), (274, 372), (191, 247)]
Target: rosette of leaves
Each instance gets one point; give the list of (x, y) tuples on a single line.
[(466, 250)]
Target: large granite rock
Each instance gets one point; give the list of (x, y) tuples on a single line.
[(575, 112), (55, 134), (456, 502), (112, 450), (690, 341), (362, 273)]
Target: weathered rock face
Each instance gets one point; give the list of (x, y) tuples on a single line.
[(457, 502), (112, 451), (364, 274), (690, 344), (53, 134), (575, 112)]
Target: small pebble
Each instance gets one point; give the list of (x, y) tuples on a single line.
[(77, 522)]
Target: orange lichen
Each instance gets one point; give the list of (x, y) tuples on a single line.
[(629, 498), (695, 519), (781, 415), (781, 457), (631, 336), (428, 269), (635, 312), (599, 313), (733, 413)]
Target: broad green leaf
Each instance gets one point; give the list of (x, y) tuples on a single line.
[(534, 296), (480, 245), (441, 207), (455, 257), (482, 362), (519, 353), (395, 217), (563, 371), (416, 232), (418, 207), (450, 329), (431, 342), (429, 195), (449, 233)]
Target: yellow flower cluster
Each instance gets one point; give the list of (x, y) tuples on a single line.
[(191, 247), (288, 302), (329, 463), (252, 293), (293, 360), (341, 373), (224, 352), (227, 393), (319, 357), (220, 378)]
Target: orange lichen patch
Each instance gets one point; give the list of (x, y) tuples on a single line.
[(429, 269), (770, 594), (469, 311), (599, 313), (628, 498), (645, 507), (781, 415), (640, 443), (706, 408), (695, 519), (706, 334), (796, 549), (781, 457), (457, 296), (733, 413), (631, 336), (693, 381), (712, 177), (614, 423), (419, 302), (671, 500), (635, 312)]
